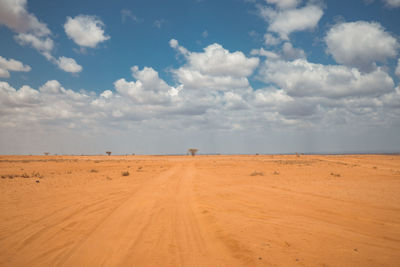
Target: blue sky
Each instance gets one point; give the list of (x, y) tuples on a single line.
[(239, 76)]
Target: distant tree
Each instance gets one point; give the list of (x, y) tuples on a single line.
[(108, 153), (46, 153), (193, 151)]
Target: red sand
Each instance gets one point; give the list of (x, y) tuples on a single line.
[(200, 211)]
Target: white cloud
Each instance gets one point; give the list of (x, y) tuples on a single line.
[(264, 53), (397, 71), (149, 88), (286, 21), (215, 68), (11, 65), (84, 30), (300, 78), (69, 65), (291, 53), (12, 98), (14, 15), (107, 94), (51, 87), (215, 60), (392, 3), (284, 3), (360, 44), (31, 32), (270, 39), (43, 44)]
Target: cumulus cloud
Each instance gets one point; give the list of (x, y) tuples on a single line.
[(284, 22), (69, 65), (300, 78), (356, 44), (32, 32), (148, 88), (264, 53), (291, 53), (270, 39), (14, 15), (215, 68), (86, 31), (42, 44), (11, 65)]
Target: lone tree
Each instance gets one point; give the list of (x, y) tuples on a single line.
[(193, 151), (108, 153)]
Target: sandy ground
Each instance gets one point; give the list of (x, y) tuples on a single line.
[(200, 211)]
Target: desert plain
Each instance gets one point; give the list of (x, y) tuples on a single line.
[(244, 210)]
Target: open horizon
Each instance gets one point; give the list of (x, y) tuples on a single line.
[(234, 77)]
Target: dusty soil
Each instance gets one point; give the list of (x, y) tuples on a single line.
[(200, 211)]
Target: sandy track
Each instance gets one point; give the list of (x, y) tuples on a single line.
[(202, 211)]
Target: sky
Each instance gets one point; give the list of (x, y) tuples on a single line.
[(223, 76)]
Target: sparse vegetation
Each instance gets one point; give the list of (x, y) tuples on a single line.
[(93, 170), (335, 174), (192, 151), (126, 173), (25, 175), (256, 173), (36, 174)]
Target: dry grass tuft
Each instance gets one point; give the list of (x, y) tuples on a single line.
[(255, 173), (126, 173)]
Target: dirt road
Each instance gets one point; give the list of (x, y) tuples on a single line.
[(201, 211)]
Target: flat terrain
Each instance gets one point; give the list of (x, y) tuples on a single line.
[(200, 211)]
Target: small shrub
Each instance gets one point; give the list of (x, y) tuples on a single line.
[(276, 173), (335, 174), (126, 173), (93, 170), (36, 174), (25, 175), (193, 151), (255, 173), (108, 153), (139, 168)]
